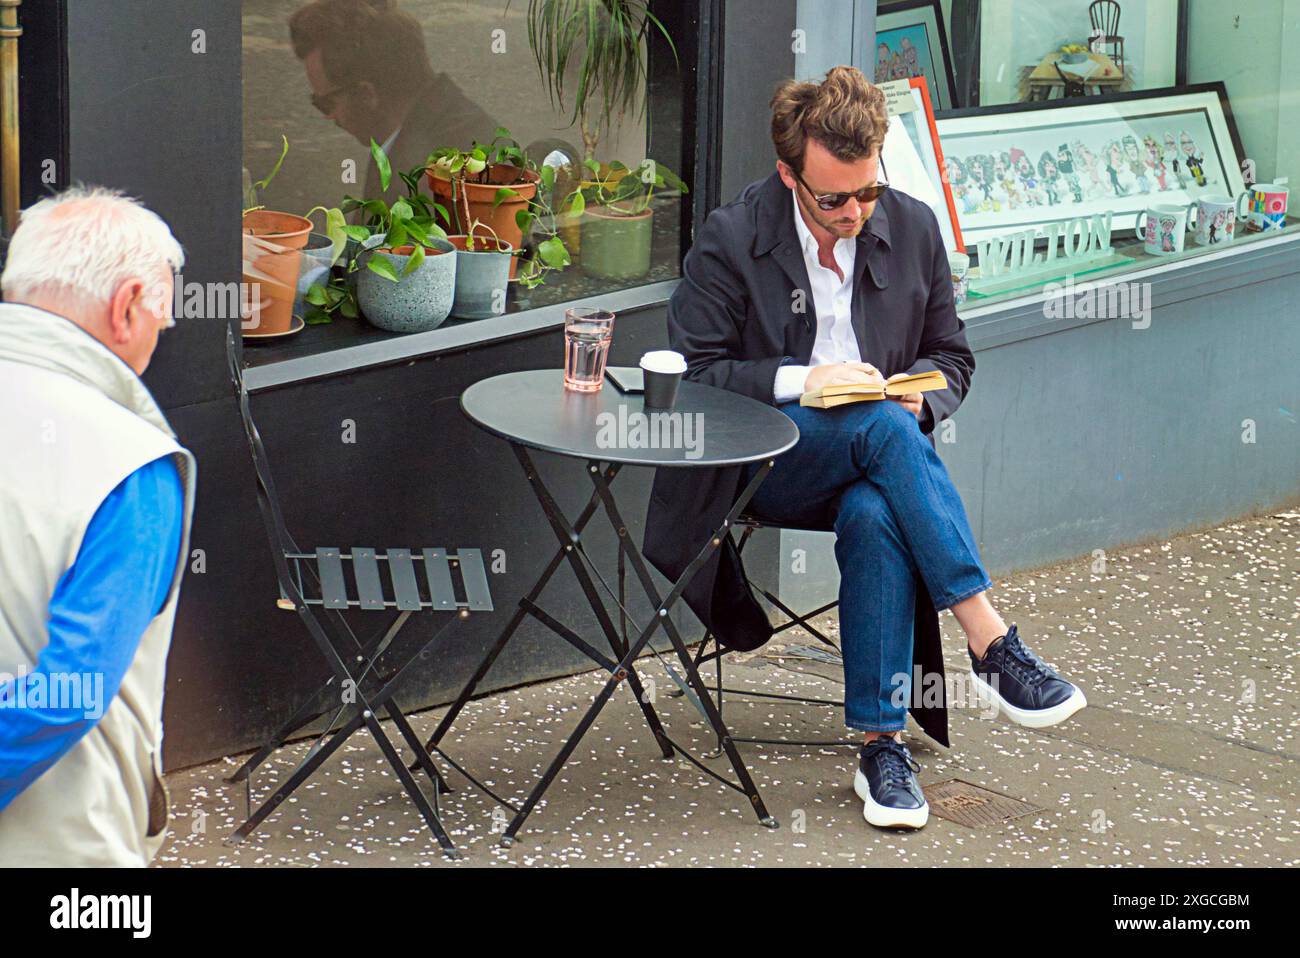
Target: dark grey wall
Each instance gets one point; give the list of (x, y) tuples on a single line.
[(757, 56), (149, 115)]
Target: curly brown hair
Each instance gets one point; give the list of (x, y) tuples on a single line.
[(845, 113)]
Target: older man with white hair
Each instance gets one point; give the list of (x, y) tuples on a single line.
[(95, 503)]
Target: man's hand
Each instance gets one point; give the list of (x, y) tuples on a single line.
[(910, 401), (834, 374)]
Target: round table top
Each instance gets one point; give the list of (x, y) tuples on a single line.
[(707, 426)]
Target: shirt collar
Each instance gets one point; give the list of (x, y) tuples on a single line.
[(773, 204), (807, 242), (387, 145)]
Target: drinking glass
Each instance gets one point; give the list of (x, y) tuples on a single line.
[(587, 334)]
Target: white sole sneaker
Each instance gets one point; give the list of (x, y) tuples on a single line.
[(881, 815), (1029, 718)]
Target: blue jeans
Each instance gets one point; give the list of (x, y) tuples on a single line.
[(867, 471)]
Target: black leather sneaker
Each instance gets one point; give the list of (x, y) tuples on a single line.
[(1025, 690), (886, 783)]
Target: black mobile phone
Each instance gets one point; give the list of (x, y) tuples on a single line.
[(626, 379)]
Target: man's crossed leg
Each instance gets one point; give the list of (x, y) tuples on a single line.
[(868, 469)]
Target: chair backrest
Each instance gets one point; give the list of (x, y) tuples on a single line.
[(1104, 15), (268, 502)]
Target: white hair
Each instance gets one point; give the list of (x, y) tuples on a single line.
[(84, 243)]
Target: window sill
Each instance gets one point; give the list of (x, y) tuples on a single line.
[(1170, 281), (281, 365)]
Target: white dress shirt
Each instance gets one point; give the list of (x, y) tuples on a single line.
[(832, 301)]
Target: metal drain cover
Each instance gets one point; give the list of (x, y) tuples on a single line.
[(973, 805)]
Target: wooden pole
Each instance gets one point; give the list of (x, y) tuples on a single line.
[(10, 152)]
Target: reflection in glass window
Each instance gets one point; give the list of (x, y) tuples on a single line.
[(416, 76)]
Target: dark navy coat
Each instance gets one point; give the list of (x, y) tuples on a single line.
[(735, 319)]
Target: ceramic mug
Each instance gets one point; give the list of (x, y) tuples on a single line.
[(1165, 229), (1265, 206), (959, 264), (1213, 219)]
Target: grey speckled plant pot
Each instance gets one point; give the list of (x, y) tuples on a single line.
[(416, 303)]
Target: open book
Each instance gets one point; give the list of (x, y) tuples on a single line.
[(839, 395)]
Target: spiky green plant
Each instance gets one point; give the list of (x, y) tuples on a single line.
[(610, 36)]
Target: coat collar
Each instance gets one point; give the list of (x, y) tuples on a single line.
[(776, 233), (34, 337)]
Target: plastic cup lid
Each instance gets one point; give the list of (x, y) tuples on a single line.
[(664, 361)]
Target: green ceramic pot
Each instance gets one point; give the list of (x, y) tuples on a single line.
[(616, 247)]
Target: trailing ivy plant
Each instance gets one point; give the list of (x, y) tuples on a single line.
[(549, 253), (250, 199), (628, 192), (475, 165), (410, 219)]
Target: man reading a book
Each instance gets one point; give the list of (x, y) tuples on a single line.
[(821, 276)]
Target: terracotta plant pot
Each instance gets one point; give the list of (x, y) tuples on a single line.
[(272, 244), (501, 219), (482, 277), (616, 247), (415, 303)]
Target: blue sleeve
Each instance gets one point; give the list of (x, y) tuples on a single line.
[(101, 606)]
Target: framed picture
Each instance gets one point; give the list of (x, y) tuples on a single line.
[(1029, 164), (911, 157), (1020, 41), (911, 42)]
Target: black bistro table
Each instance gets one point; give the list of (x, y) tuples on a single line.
[(533, 411)]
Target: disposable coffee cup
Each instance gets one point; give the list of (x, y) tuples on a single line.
[(662, 371)]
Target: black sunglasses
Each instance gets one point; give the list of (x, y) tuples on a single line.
[(833, 201)]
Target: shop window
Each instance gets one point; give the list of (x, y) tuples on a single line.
[(1087, 140), (603, 191)]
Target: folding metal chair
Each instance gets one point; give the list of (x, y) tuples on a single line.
[(710, 649), (331, 581)]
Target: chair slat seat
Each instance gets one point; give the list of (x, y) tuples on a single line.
[(405, 587), (334, 591), (442, 567), (438, 572), (475, 578), (365, 568)]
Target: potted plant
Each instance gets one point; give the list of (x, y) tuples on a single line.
[(608, 39), (272, 244), (452, 173), (483, 266), (405, 268), (277, 254), (490, 184), (617, 219)]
